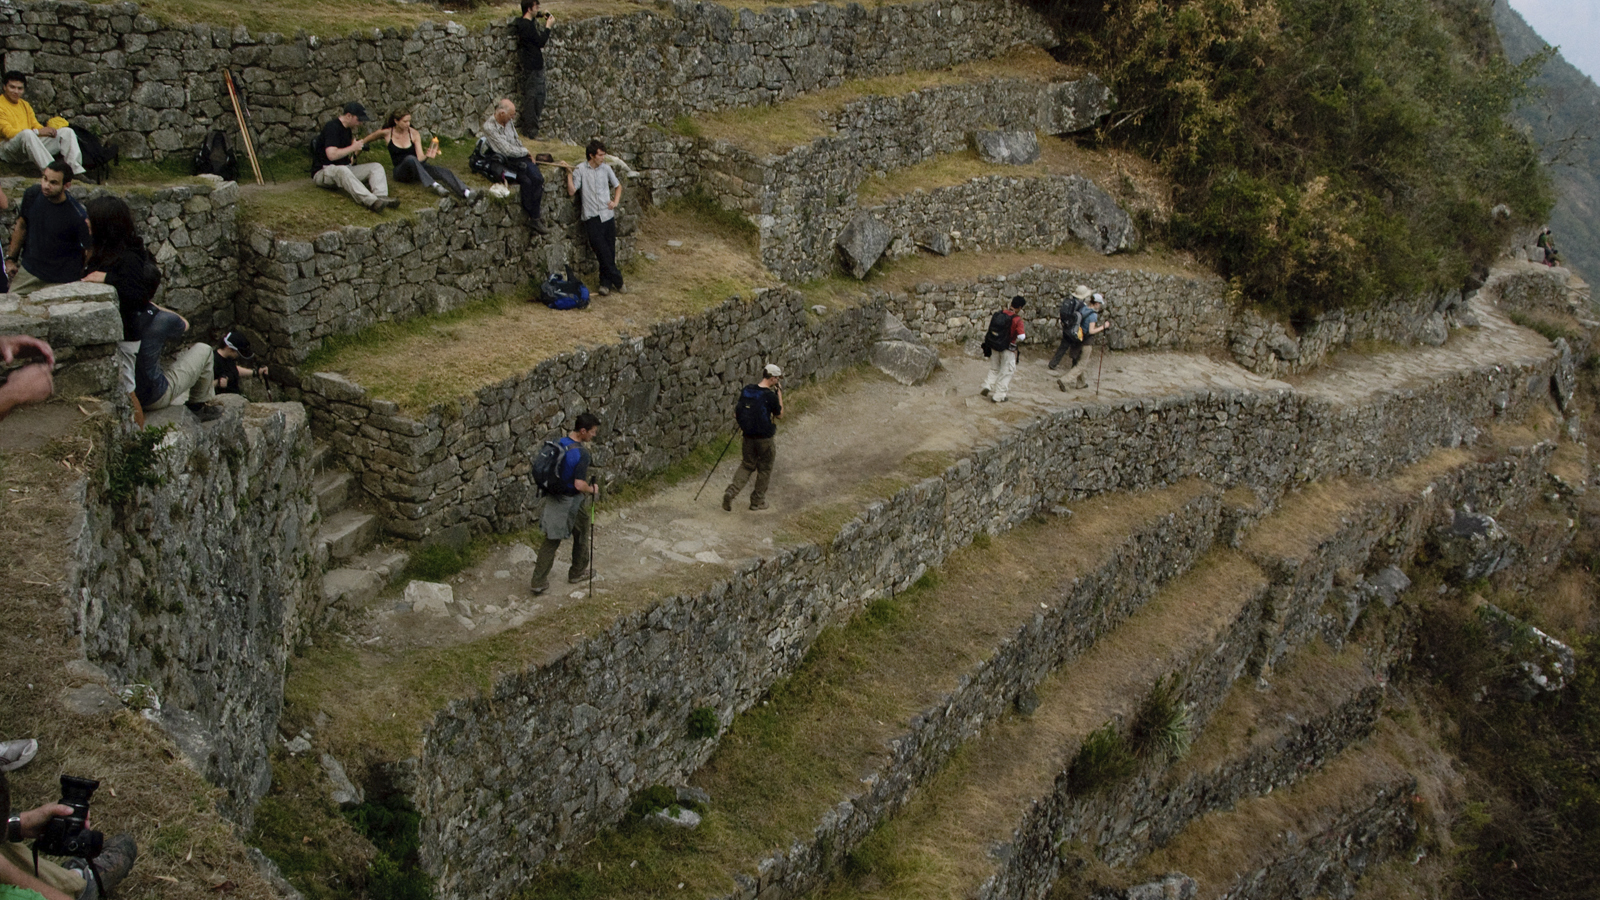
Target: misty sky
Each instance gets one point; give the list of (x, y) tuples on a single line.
[(1572, 25)]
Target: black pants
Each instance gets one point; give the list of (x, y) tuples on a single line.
[(603, 241), (1069, 344), (532, 101), (413, 169), (526, 173)]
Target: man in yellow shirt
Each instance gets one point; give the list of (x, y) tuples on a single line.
[(25, 138)]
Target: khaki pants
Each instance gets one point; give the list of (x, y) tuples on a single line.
[(25, 282), (67, 881), (28, 145), (355, 181), (188, 379), (1002, 365)]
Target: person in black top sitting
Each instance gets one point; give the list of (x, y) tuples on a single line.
[(49, 237), (225, 366), (411, 161), (333, 161), (117, 256)]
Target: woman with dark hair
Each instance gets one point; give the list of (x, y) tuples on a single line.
[(411, 160), (117, 257)]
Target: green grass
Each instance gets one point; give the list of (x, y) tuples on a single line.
[(388, 335)]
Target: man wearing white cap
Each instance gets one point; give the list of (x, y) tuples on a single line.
[(1091, 324), (760, 406)]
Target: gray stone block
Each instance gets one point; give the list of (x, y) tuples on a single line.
[(862, 242), (347, 533), (79, 324), (1008, 148), (906, 362)]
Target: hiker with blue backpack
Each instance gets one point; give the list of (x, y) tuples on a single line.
[(561, 472), (1079, 325), (760, 406)]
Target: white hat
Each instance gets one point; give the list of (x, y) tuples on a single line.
[(1081, 292), (773, 371)]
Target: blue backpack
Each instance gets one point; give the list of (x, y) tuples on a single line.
[(563, 292)]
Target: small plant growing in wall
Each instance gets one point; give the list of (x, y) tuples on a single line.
[(703, 724), (133, 464), (1161, 731), (1103, 760)]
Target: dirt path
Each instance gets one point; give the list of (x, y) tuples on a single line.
[(862, 443)]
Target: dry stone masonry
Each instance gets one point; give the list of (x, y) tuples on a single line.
[(561, 740), (200, 587), (156, 88)]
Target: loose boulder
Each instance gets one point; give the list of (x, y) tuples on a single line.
[(901, 355), (1008, 148), (862, 243), (1473, 546), (1544, 662)]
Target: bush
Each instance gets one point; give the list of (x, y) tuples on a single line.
[(1161, 731), (1327, 154), (1103, 760), (133, 464), (703, 724)]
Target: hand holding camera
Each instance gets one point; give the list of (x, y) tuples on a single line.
[(67, 832)]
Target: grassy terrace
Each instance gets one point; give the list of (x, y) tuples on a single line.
[(784, 763), (774, 129), (291, 16)]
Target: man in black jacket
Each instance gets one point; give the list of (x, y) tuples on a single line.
[(533, 32), (760, 405)]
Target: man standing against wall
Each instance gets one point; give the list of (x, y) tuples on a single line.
[(51, 233), (760, 406), (533, 32), (567, 508), (25, 138), (601, 194), (502, 138), (333, 162)]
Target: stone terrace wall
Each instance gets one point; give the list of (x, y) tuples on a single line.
[(1145, 310), (802, 199), (1268, 347), (1128, 822), (201, 587), (191, 229), (466, 462), (561, 740), (156, 88), (299, 291)]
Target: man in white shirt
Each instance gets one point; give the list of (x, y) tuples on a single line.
[(601, 194)]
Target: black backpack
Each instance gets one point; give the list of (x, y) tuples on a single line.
[(1072, 317), (319, 154), (97, 157), (215, 157), (998, 337), (489, 163), (547, 469), (751, 412)]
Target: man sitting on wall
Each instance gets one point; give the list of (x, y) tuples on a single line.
[(52, 231), (333, 162), (501, 134), (25, 138), (150, 386)]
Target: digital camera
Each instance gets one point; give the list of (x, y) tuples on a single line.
[(70, 835)]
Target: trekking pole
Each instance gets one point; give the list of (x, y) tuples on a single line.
[(592, 505), (714, 467), (1099, 369), (244, 132)]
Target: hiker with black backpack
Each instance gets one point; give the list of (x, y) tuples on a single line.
[(1091, 324), (759, 406), (1071, 313), (1006, 331), (561, 473)]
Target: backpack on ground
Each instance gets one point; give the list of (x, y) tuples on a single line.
[(998, 337), (547, 468), (751, 411), (1072, 318), (563, 292), (319, 154), (215, 157), (97, 156)]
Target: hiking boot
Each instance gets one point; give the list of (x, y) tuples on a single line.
[(440, 189), (538, 589), (581, 577), (604, 291), (539, 227), (114, 863), (727, 503), (390, 202), (758, 506), (16, 754), (984, 392), (378, 204), (205, 412), (1082, 383)]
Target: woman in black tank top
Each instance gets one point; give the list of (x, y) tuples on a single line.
[(411, 159)]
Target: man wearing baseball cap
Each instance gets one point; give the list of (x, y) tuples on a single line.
[(333, 163), (760, 406), (225, 366)]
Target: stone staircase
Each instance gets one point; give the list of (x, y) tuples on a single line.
[(355, 568)]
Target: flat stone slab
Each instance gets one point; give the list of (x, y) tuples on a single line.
[(1008, 148), (430, 597), (347, 532)]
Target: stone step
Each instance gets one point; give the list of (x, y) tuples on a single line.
[(347, 533), (319, 455), (353, 586), (333, 491)]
